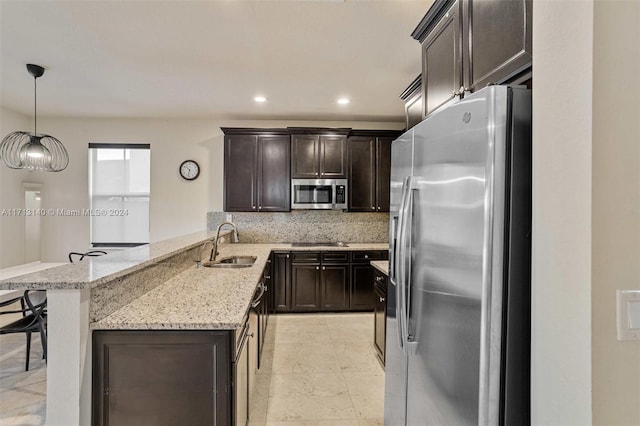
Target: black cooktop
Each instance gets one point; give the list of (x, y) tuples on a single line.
[(331, 244)]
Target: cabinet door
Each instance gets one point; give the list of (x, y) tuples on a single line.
[(304, 157), (383, 173), (161, 378), (274, 182), (361, 297), (442, 61), (499, 37), (380, 317), (362, 173), (281, 282), (333, 157), (305, 287), (240, 159), (335, 287)]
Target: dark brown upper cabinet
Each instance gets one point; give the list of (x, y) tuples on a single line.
[(498, 34), (469, 44), (442, 60), (412, 97), (370, 170), (256, 171), (317, 155)]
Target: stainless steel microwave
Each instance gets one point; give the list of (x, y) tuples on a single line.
[(319, 194)]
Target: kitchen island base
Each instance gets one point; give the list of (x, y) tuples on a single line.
[(162, 377)]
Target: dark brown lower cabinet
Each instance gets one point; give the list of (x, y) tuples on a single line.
[(361, 297), (308, 281), (334, 287), (281, 282), (305, 287), (162, 378), (380, 315)]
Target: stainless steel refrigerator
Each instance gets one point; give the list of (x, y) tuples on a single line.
[(458, 304)]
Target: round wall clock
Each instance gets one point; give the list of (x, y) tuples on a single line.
[(189, 170)]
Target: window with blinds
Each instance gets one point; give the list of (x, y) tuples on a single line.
[(119, 189)]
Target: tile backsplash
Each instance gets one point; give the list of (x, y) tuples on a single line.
[(307, 226)]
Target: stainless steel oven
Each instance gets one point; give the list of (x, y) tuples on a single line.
[(318, 194)]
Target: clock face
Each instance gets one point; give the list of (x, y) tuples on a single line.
[(189, 170)]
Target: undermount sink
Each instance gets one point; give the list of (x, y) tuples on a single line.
[(232, 262)]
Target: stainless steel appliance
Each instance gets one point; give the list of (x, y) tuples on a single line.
[(458, 306), (318, 194)]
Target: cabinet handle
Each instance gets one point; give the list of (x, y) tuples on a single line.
[(317, 268), (324, 268), (379, 278), (366, 256), (260, 208), (373, 208), (382, 299), (253, 207), (267, 277), (287, 256), (378, 208)]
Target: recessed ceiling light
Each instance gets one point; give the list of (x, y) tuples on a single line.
[(260, 99), (343, 101)]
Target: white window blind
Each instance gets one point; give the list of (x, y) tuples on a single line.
[(120, 182)]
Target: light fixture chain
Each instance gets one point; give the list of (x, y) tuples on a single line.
[(35, 105)]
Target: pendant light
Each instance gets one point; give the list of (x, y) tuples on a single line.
[(33, 151)]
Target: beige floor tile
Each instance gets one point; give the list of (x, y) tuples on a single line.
[(309, 397), (371, 422), (259, 400), (336, 422), (359, 330), (22, 393), (357, 357), (303, 332), (355, 319), (266, 362), (305, 358), (367, 394)]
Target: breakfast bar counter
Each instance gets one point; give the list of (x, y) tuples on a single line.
[(152, 287)]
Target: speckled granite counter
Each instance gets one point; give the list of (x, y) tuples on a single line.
[(95, 271), (206, 298), (381, 265)]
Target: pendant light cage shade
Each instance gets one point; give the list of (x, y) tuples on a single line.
[(27, 150), (32, 150)]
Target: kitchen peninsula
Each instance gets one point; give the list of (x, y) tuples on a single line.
[(155, 287)]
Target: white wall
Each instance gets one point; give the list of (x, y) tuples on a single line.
[(561, 264), (12, 195), (616, 208), (177, 206)]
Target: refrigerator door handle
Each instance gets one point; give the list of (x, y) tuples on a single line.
[(400, 262), (410, 342), (393, 232)]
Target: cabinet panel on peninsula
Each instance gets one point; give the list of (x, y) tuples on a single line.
[(162, 377)]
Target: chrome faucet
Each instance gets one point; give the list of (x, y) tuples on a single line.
[(234, 239), (199, 259)]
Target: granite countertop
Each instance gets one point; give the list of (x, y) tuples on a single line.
[(94, 271), (381, 265), (206, 298)]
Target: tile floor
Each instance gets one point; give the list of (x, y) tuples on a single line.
[(22, 393), (319, 370)]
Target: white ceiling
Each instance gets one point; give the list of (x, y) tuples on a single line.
[(210, 58)]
